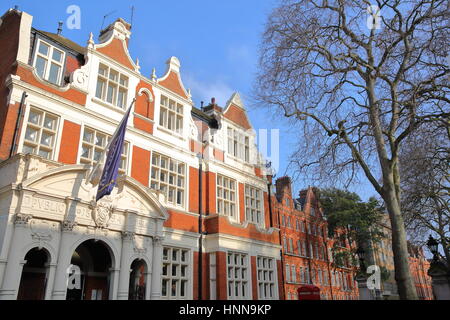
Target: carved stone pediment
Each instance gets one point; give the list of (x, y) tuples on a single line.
[(102, 212)]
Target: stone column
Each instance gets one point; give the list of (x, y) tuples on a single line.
[(2, 269), (156, 268), (148, 284), (50, 280), (440, 275), (61, 276), (114, 283), (124, 275), (15, 262)]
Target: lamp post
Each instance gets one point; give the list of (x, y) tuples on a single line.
[(361, 253), (433, 245), (439, 272), (361, 278), (200, 228)]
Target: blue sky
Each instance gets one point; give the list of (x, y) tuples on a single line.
[(216, 42)]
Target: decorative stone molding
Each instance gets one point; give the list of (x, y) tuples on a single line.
[(128, 235), (149, 94), (140, 251), (80, 77), (157, 240), (174, 64), (68, 225), (22, 219), (101, 212), (119, 29), (236, 100), (91, 42), (42, 230)]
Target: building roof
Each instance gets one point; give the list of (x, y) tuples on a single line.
[(62, 41), (212, 122)]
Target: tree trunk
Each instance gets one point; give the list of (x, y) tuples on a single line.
[(405, 284), (390, 192)]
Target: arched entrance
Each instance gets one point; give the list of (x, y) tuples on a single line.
[(137, 286), (91, 262), (34, 275)]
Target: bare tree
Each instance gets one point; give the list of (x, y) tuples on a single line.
[(425, 171), (357, 82)]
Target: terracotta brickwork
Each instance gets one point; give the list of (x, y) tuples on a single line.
[(172, 82), (419, 265), (238, 116), (141, 165), (115, 50), (9, 33), (306, 246), (69, 143)]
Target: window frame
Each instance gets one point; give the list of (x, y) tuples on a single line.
[(271, 282), (40, 128), (168, 111), (117, 83), (248, 205), (223, 200), (94, 146), (231, 276), (238, 144), (49, 60), (169, 172), (178, 277)]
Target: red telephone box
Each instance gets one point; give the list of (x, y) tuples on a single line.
[(308, 292)]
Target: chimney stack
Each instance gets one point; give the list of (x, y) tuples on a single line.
[(60, 24)]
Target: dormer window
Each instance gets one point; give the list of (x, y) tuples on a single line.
[(238, 144), (49, 62), (112, 87), (171, 115)]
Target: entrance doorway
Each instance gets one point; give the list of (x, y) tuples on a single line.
[(34, 275), (92, 262), (138, 273)]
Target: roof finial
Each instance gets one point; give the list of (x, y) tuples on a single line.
[(91, 40), (137, 64), (154, 74)]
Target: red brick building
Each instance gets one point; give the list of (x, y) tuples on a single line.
[(60, 102), (306, 247), (419, 266)]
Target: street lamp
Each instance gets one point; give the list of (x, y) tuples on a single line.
[(200, 231), (433, 245), (361, 255)]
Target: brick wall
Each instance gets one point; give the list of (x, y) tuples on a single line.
[(69, 142), (140, 166), (9, 42)]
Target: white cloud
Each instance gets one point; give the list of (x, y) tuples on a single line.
[(205, 90), (240, 53)]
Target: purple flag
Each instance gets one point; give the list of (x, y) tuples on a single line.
[(111, 168)]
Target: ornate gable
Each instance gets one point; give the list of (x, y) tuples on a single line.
[(114, 44), (235, 112), (172, 79)]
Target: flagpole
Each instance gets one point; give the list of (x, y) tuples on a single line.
[(105, 151)]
